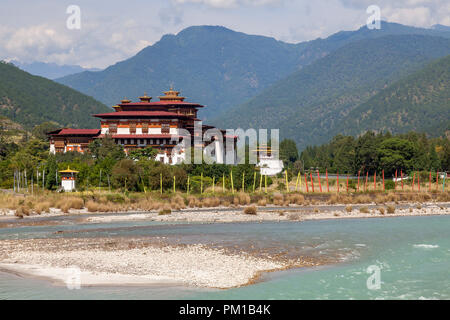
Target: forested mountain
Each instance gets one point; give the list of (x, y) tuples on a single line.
[(30, 100), (419, 102), (216, 66), (309, 104), (213, 66)]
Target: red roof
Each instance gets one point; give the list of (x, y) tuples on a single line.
[(139, 114), (162, 103), (144, 136), (74, 132)]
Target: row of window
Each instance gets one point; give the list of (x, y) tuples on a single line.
[(144, 141), (165, 128)]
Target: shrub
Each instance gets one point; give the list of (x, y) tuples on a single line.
[(75, 203), (349, 208), (364, 209), (278, 199), (362, 199), (116, 198), (42, 207), (381, 209), (226, 203), (18, 213), (294, 216), (296, 198), (392, 197), (211, 202), (164, 211), (92, 206), (443, 197), (389, 184), (250, 210), (24, 210), (390, 209), (262, 202), (244, 198), (380, 198)]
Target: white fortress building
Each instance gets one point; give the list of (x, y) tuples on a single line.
[(162, 124)]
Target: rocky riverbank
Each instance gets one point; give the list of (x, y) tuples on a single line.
[(104, 261)]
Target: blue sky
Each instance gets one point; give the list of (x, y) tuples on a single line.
[(112, 31)]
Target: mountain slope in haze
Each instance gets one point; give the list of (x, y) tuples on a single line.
[(210, 65), (307, 105), (216, 66), (419, 102), (50, 70), (440, 27), (30, 100)]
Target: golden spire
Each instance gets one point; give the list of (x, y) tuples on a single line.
[(125, 100), (145, 98), (171, 95)]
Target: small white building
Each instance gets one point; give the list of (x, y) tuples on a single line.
[(68, 178)]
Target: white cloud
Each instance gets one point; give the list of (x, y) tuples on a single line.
[(419, 13), (96, 45), (112, 31)]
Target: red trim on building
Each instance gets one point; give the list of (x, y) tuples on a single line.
[(139, 114), (162, 103), (69, 132), (145, 136)]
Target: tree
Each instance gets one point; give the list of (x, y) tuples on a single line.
[(106, 148), (40, 131), (288, 151), (396, 153), (366, 157), (126, 174), (51, 169), (141, 154)]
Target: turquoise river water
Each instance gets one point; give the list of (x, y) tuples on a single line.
[(412, 255)]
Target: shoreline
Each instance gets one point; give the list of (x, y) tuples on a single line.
[(58, 276), (144, 265), (273, 214), (230, 215)]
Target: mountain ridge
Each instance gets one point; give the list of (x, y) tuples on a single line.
[(309, 103), (30, 100), (418, 102), (216, 66)]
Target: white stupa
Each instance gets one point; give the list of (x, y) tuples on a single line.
[(68, 178)]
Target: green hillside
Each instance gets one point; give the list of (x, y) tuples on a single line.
[(420, 102), (309, 104), (216, 66), (30, 100)]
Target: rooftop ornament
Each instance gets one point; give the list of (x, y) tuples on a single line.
[(145, 98), (171, 95)]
